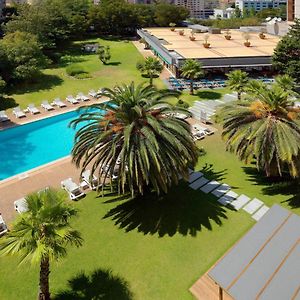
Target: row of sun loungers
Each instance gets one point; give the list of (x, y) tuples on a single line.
[(31, 108), (226, 196), (199, 132)]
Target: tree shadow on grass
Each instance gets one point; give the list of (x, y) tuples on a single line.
[(114, 63), (101, 284), (209, 95), (210, 173), (6, 103), (44, 82), (276, 186), (182, 211)]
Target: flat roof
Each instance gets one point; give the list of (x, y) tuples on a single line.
[(219, 46), (265, 263)]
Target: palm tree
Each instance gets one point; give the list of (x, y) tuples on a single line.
[(286, 82), (41, 234), (237, 82), (265, 128), (137, 138), (151, 67), (192, 70)]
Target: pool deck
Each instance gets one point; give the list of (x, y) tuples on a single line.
[(51, 174), (46, 114)]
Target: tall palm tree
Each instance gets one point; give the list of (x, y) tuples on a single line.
[(137, 137), (265, 128), (191, 70), (151, 67), (41, 234), (237, 82)]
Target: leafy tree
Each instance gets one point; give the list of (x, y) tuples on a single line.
[(23, 56), (151, 67), (114, 17), (2, 86), (237, 12), (265, 128), (104, 54), (41, 234), (192, 70), (287, 52), (167, 13), (237, 82), (139, 139), (52, 21)]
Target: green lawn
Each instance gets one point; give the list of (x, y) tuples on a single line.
[(158, 247), (56, 83), (245, 179)]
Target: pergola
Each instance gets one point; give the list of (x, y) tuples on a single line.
[(264, 264)]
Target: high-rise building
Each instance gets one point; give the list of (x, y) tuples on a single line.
[(258, 5), (293, 9), (198, 8)]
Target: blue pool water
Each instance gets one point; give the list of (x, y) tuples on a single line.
[(29, 146)]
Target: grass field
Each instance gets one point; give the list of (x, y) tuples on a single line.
[(156, 248), (56, 83)]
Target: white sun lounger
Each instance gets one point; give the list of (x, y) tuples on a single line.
[(198, 183), (72, 100), (18, 112), (194, 176), (58, 103), (253, 206), (239, 202), (32, 109), (228, 198), (91, 182), (72, 189), (3, 226), (82, 97), (3, 116), (46, 106), (221, 190), (210, 186), (93, 93)]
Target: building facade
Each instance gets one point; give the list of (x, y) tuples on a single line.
[(199, 9), (293, 9), (258, 5)]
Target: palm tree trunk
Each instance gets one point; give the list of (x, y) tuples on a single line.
[(44, 293), (191, 87), (239, 96), (151, 80)]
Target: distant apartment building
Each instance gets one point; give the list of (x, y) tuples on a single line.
[(258, 5), (293, 9), (199, 9)]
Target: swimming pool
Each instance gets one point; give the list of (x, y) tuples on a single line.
[(34, 144)]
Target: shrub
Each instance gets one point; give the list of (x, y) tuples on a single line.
[(182, 104), (73, 70), (83, 76)]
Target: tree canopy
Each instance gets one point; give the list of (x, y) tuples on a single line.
[(21, 57), (135, 138), (286, 57), (266, 128)]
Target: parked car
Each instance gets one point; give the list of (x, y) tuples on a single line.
[(3, 227), (21, 205)]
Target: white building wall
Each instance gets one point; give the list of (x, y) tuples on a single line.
[(297, 8)]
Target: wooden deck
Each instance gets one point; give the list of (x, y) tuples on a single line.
[(206, 289)]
